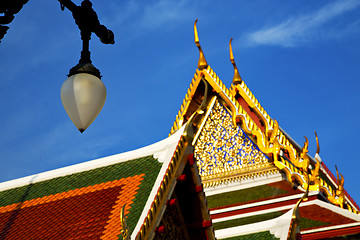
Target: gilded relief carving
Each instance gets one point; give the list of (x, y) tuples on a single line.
[(223, 147), (339, 196)]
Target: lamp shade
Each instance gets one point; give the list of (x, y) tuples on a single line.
[(83, 96)]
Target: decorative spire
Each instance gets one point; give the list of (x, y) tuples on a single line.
[(317, 144), (340, 194), (317, 154), (339, 197), (202, 64), (294, 231), (340, 180), (236, 79), (124, 227), (305, 150)]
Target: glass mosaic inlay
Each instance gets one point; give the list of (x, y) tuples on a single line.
[(222, 147)]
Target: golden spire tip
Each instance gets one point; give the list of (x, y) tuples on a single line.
[(236, 79), (202, 64), (317, 144)]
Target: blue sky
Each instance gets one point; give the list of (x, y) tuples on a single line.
[(299, 58)]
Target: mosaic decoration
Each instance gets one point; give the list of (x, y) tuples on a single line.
[(222, 147)]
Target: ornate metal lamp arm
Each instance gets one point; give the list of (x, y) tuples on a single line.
[(88, 22)]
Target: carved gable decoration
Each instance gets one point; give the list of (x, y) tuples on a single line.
[(222, 149)]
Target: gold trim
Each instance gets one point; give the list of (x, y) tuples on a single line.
[(194, 120), (147, 229), (250, 99), (211, 104), (238, 175), (179, 121)]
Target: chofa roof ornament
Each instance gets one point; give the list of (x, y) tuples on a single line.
[(124, 227), (202, 64), (294, 230), (317, 155), (236, 79)]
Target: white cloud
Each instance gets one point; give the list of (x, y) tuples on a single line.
[(301, 29), (119, 14), (137, 19), (163, 11)]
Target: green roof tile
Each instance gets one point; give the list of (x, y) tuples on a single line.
[(243, 196), (16, 206), (246, 220)]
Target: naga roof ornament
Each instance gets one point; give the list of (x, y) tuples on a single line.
[(124, 227), (294, 230), (236, 79), (317, 154), (339, 198), (202, 64)]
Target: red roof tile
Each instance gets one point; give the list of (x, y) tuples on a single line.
[(85, 213)]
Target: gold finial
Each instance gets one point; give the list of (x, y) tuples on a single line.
[(202, 64), (295, 219), (236, 79), (340, 179), (317, 144), (339, 197), (124, 228), (304, 150), (306, 145), (340, 194)]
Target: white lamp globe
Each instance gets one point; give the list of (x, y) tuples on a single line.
[(83, 96)]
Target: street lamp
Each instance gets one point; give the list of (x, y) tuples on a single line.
[(83, 94)]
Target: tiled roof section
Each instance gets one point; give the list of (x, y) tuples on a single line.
[(250, 195), (247, 220), (83, 205), (314, 216), (308, 222), (254, 236), (344, 231)]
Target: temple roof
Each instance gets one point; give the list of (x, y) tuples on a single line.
[(247, 163), (85, 201), (241, 110), (227, 169)]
